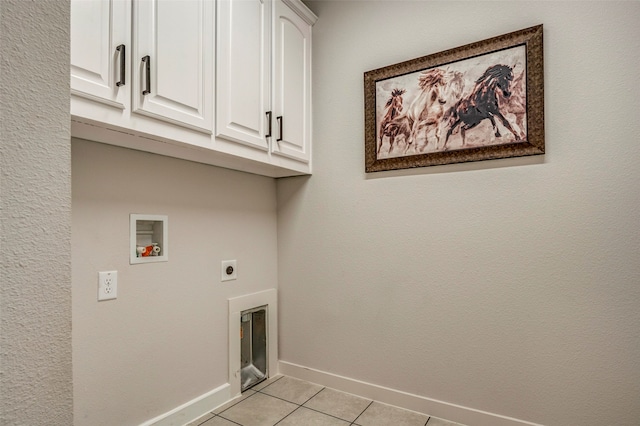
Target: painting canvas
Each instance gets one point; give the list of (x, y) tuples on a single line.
[(477, 102)]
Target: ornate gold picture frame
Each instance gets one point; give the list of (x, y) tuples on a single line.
[(481, 101)]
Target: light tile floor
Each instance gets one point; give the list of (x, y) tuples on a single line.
[(285, 401)]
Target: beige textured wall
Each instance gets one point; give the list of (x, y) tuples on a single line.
[(35, 208), (508, 286), (163, 341)]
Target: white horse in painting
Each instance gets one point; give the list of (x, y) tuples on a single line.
[(438, 88)]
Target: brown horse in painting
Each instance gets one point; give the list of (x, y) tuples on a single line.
[(516, 104), (400, 126), (394, 107)]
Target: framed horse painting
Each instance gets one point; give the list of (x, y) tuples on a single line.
[(481, 101)]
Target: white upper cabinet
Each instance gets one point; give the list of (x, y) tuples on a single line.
[(264, 75), (244, 72), (292, 86), (220, 82), (100, 43), (173, 55)]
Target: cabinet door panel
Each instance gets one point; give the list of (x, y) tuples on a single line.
[(243, 71), (178, 38), (97, 28), (292, 89)]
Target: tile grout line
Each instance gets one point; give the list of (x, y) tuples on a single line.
[(299, 405), (223, 418), (314, 395), (269, 384), (322, 412), (308, 408), (244, 399), (297, 408), (231, 406), (327, 414), (365, 409), (241, 400), (230, 421)]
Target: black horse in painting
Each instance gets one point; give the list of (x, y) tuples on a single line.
[(482, 103)]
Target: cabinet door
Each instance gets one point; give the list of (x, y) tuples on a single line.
[(243, 71), (292, 85), (98, 30), (173, 61)]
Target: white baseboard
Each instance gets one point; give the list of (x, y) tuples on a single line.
[(193, 409), (456, 413)]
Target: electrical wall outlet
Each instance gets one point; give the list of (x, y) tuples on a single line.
[(107, 285), (229, 270)]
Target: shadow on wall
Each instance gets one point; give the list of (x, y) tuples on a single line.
[(288, 187), (460, 167)]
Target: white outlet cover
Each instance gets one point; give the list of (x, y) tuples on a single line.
[(229, 266), (107, 285)]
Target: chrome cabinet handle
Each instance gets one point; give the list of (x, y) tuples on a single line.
[(121, 49), (269, 120), (147, 61), (280, 120)]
